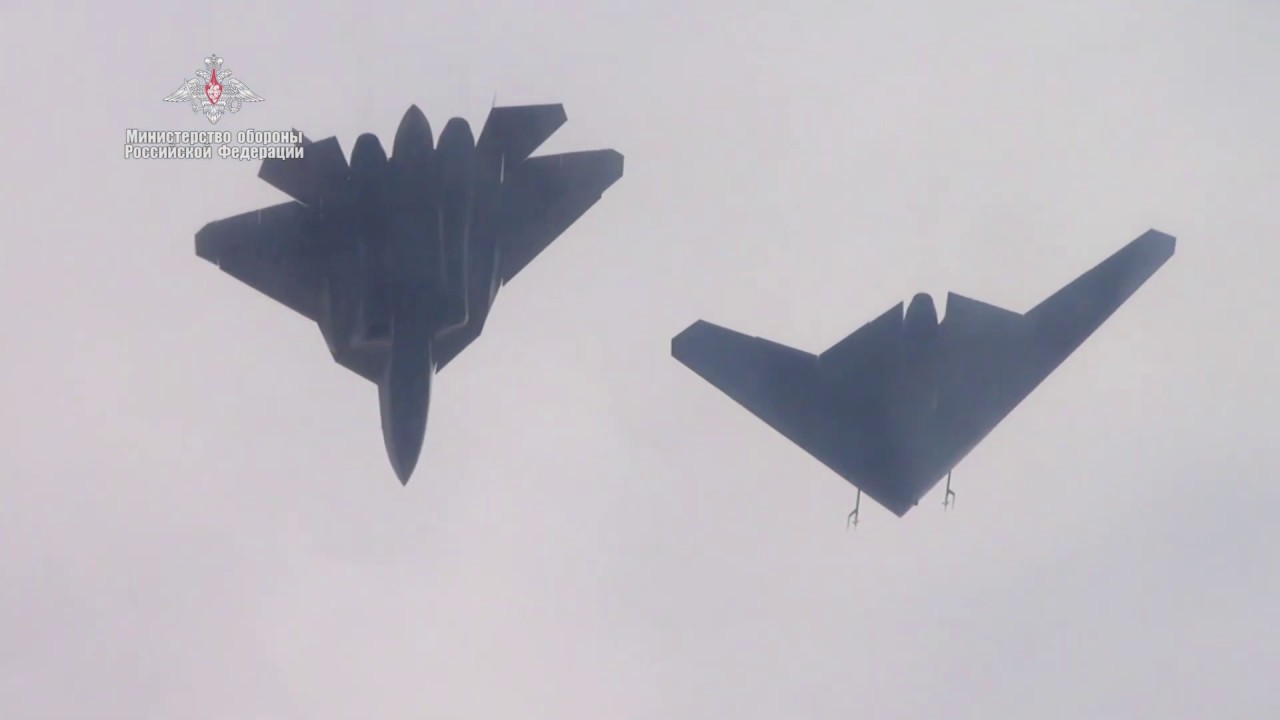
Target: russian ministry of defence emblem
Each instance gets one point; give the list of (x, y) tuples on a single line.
[(213, 92)]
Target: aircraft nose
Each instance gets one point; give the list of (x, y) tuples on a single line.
[(404, 439), (404, 462), (404, 436), (404, 396)]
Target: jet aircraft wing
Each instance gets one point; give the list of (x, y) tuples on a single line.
[(270, 251), (544, 196), (278, 250), (538, 199)]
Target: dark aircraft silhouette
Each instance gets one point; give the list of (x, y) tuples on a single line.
[(900, 402), (398, 259)]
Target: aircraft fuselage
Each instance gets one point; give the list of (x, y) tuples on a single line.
[(398, 278), (890, 419)]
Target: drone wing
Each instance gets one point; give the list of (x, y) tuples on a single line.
[(994, 358)]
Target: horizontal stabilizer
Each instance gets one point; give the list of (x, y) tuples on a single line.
[(515, 132), (321, 169)]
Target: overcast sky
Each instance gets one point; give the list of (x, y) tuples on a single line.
[(198, 519)]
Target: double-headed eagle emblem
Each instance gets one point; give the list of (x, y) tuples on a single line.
[(213, 92)]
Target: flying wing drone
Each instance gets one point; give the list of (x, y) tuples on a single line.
[(893, 407)]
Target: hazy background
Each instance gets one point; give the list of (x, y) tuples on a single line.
[(198, 519)]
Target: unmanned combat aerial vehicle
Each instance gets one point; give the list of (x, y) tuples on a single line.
[(895, 406), (398, 259)]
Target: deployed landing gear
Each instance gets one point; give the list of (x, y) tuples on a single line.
[(949, 499), (852, 521)]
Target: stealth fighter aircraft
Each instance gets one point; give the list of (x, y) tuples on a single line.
[(398, 259), (893, 407)]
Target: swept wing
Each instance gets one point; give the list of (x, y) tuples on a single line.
[(987, 361)]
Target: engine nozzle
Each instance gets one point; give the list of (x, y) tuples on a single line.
[(920, 326)]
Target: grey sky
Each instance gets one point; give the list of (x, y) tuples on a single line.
[(198, 519)]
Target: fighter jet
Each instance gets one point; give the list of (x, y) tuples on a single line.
[(896, 405), (398, 259)]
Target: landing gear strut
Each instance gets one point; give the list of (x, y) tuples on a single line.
[(852, 521), (949, 499)]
